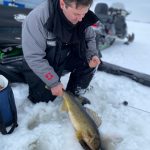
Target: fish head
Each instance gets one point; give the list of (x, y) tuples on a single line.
[(93, 141)]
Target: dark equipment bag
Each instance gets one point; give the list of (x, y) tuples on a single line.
[(8, 112)]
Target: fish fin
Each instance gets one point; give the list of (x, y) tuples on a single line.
[(94, 116), (64, 106)]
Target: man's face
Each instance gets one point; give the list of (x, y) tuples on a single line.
[(73, 14)]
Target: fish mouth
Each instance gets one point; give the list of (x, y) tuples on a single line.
[(84, 145)]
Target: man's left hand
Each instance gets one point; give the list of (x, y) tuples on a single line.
[(95, 61)]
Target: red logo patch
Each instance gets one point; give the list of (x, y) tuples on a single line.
[(48, 76)]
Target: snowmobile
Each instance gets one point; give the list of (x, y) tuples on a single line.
[(11, 51), (111, 25), (11, 18)]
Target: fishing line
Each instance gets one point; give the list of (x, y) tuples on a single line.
[(125, 103)]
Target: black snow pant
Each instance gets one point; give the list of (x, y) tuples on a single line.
[(80, 77)]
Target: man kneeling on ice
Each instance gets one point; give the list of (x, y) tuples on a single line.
[(57, 36)]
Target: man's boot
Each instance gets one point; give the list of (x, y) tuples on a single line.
[(83, 100)]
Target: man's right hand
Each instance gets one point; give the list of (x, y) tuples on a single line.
[(57, 90)]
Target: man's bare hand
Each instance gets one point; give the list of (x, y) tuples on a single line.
[(57, 90), (94, 62)]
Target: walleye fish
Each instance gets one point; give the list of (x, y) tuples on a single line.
[(86, 128)]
